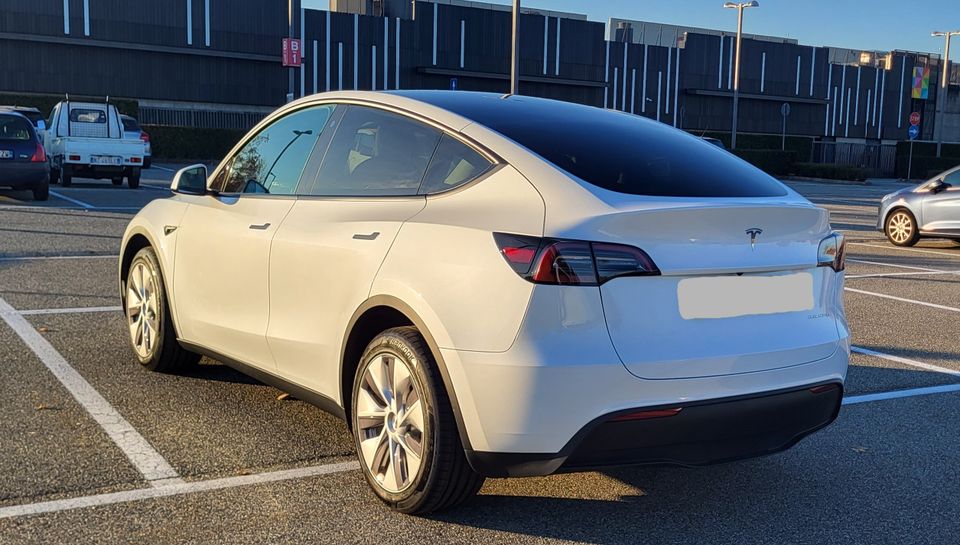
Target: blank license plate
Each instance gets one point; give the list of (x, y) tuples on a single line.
[(731, 296), (106, 160), (6, 154)]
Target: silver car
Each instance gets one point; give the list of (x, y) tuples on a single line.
[(929, 210)]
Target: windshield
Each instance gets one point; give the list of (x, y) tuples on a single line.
[(14, 128)]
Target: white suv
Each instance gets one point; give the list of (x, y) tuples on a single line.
[(487, 285)]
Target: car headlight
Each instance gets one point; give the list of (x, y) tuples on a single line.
[(831, 252)]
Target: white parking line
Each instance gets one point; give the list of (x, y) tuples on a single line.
[(71, 310), (71, 199), (42, 257), (914, 273), (903, 299), (905, 361), (158, 167), (891, 247), (899, 394), (140, 453), (894, 265), (175, 489)]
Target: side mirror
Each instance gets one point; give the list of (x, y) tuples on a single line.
[(191, 180), (41, 125), (938, 186)]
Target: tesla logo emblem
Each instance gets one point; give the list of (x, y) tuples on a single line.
[(754, 233)]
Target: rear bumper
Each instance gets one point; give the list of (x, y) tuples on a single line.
[(691, 434), (23, 175)]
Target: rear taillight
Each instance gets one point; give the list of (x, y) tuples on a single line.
[(831, 252), (144, 136), (39, 155), (572, 262)]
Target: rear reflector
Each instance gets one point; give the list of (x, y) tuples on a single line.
[(823, 388), (572, 262), (646, 415), (134, 159), (74, 157)]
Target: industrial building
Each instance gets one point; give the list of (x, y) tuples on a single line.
[(217, 63)]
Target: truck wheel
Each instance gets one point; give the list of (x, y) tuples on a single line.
[(116, 181), (54, 175), (66, 176), (133, 179)]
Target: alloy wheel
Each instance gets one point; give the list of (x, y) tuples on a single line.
[(389, 421), (143, 316), (900, 227)]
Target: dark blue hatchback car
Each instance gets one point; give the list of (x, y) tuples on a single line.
[(23, 162)]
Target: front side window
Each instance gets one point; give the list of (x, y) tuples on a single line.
[(953, 178), (272, 161), (453, 164), (376, 153)]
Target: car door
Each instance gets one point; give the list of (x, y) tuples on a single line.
[(328, 250), (222, 259), (941, 211)]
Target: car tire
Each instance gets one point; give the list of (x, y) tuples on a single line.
[(66, 176), (116, 181), (133, 179), (901, 228), (41, 192), (146, 310), (54, 175), (147, 162), (385, 430)]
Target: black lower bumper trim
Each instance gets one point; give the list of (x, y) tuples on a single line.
[(698, 434)]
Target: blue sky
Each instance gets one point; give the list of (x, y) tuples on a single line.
[(858, 24)]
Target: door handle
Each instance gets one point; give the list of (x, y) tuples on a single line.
[(371, 236), (259, 227)]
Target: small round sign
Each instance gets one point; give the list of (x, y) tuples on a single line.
[(914, 132), (915, 118), (785, 109)]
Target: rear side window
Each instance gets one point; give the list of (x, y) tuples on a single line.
[(82, 115), (453, 164), (14, 128), (376, 153)]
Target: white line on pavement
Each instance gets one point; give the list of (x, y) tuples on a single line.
[(158, 167), (906, 361), (175, 489), (891, 247), (903, 299), (894, 265), (899, 394), (72, 310), (140, 453), (71, 199), (42, 257), (915, 273)]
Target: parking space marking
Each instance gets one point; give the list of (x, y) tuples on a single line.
[(893, 265), (175, 489), (903, 299), (914, 273), (158, 167), (71, 199), (141, 454), (905, 361), (40, 257), (898, 394), (71, 310), (892, 247)]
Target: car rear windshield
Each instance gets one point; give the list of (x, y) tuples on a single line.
[(614, 150), (130, 124), (14, 127), (83, 115)]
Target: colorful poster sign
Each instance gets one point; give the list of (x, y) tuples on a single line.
[(921, 82), (292, 52)]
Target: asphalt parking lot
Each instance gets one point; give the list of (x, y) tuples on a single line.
[(216, 457)]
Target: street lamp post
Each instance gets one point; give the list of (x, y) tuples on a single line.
[(515, 52), (944, 81), (736, 64)]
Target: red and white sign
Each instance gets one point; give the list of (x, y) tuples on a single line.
[(915, 118), (292, 52)]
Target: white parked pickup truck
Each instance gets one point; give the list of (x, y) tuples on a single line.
[(85, 139)]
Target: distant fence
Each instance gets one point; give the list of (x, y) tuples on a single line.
[(201, 119), (881, 159)]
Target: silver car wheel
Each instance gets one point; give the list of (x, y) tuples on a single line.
[(900, 227), (389, 420), (143, 317)]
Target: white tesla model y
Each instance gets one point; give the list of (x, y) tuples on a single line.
[(486, 285)]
